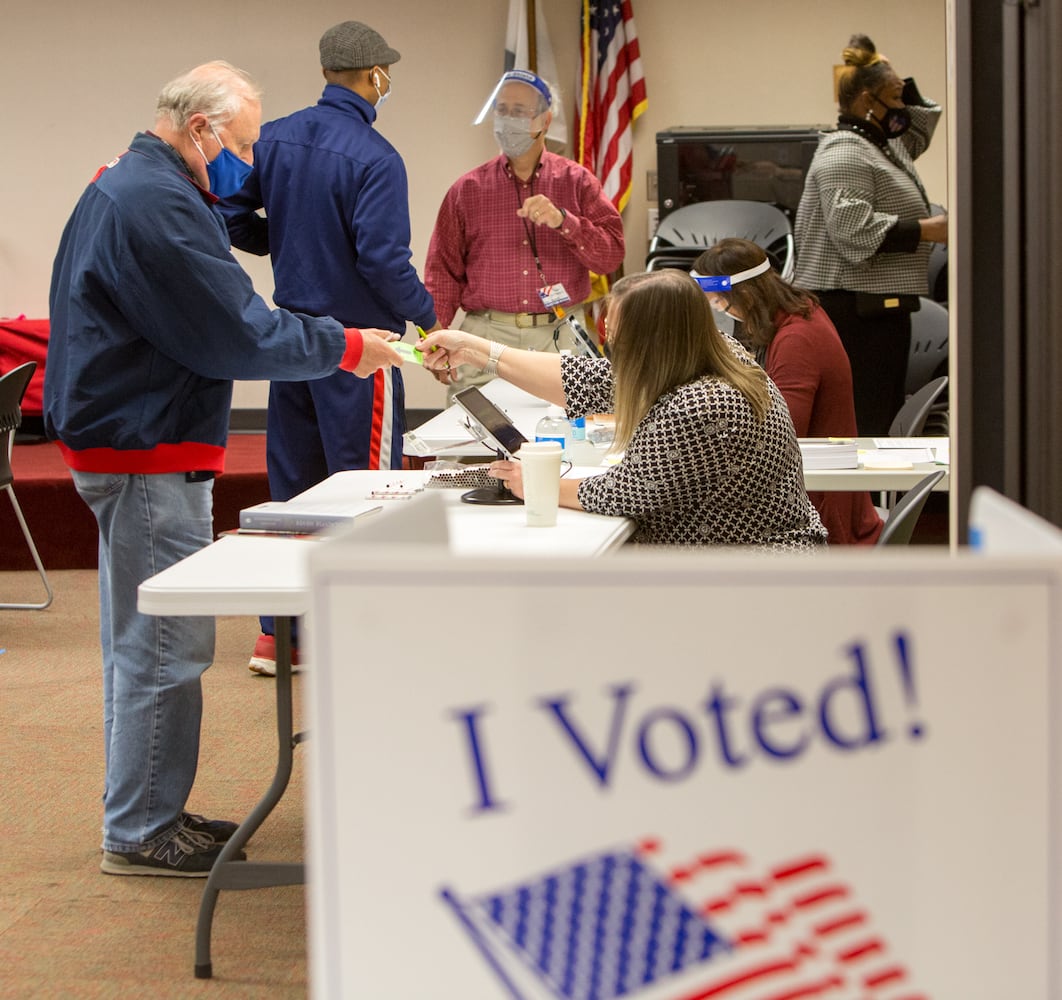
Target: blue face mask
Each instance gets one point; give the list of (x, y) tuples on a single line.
[(226, 172)]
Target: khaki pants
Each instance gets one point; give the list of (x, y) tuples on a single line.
[(535, 338)]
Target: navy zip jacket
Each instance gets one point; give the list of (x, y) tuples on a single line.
[(332, 181), (151, 320)]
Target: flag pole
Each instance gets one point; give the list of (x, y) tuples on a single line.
[(532, 38)]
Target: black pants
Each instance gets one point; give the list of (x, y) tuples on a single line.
[(877, 351)]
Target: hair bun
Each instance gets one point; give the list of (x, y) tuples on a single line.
[(860, 51)]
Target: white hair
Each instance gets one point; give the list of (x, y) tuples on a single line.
[(216, 89)]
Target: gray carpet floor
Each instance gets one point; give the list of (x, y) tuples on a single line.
[(66, 930)]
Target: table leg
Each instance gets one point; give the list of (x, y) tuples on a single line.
[(228, 874)]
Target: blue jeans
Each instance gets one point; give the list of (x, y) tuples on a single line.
[(152, 666)]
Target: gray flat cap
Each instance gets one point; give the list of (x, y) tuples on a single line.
[(353, 45)]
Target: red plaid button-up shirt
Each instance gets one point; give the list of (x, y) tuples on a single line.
[(481, 254)]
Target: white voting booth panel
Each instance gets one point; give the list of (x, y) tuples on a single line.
[(660, 776), (999, 526)]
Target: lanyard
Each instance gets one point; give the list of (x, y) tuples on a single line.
[(530, 229)]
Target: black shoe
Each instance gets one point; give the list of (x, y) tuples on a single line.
[(185, 854), (218, 830)]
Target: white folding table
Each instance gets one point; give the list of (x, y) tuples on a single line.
[(267, 575), (448, 435)]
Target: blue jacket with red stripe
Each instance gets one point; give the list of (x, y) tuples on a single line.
[(151, 320)]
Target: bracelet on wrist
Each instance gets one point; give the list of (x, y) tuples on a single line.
[(496, 351)]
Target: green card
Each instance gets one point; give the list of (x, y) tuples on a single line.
[(408, 352)]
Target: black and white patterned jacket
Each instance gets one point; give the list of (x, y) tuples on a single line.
[(855, 192), (701, 469)]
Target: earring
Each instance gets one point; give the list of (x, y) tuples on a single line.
[(866, 117)]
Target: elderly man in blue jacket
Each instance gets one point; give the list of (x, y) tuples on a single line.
[(337, 229), (151, 319)]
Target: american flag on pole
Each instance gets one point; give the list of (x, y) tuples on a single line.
[(716, 926), (612, 95)]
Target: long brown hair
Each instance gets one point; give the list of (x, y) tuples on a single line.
[(759, 299), (662, 335)]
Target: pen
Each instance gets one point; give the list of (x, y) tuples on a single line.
[(423, 336)]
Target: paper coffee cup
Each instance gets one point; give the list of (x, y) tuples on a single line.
[(540, 462)]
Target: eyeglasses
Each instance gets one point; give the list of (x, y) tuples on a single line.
[(516, 111)]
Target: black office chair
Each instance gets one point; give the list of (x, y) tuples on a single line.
[(12, 389), (937, 273), (928, 356), (937, 268), (693, 228), (679, 258), (911, 419), (928, 359), (900, 524), (911, 422)]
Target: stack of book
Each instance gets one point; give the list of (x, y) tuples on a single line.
[(829, 453), (303, 517)]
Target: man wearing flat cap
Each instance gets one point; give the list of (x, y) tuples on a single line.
[(337, 229)]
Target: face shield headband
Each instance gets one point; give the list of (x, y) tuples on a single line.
[(515, 76), (724, 282)]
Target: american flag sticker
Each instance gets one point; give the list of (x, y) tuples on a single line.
[(629, 923)]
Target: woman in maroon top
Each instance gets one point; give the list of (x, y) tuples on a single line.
[(794, 340)]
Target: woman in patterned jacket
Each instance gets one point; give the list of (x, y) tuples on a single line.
[(709, 452), (864, 228)]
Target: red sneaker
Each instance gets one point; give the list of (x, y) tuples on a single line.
[(264, 658)]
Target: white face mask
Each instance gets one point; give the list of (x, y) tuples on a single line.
[(514, 135), (380, 98)]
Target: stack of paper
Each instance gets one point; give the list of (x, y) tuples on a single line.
[(303, 516), (829, 453), (934, 449)]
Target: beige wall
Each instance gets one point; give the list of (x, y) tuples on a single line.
[(78, 80)]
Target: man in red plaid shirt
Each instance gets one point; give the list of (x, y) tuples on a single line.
[(515, 239)]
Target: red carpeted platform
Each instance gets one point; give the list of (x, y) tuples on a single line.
[(65, 530)]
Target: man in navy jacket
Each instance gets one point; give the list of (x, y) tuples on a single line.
[(337, 229), (151, 320)]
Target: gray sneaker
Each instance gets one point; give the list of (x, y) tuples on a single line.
[(218, 830), (186, 854)]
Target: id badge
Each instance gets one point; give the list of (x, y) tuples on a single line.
[(553, 295)]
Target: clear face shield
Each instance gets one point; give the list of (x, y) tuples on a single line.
[(724, 282), (520, 109), (720, 284), (518, 101)]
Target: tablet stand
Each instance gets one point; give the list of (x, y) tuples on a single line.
[(495, 496)]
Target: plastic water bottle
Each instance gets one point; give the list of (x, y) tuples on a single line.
[(554, 426), (579, 428)]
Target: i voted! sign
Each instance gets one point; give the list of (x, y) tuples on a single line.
[(671, 742), (743, 779)]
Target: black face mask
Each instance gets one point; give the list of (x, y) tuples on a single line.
[(894, 122)]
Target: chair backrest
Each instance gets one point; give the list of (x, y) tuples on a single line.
[(705, 223), (911, 419), (679, 258), (937, 273), (937, 269), (904, 516), (929, 344), (12, 388)]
